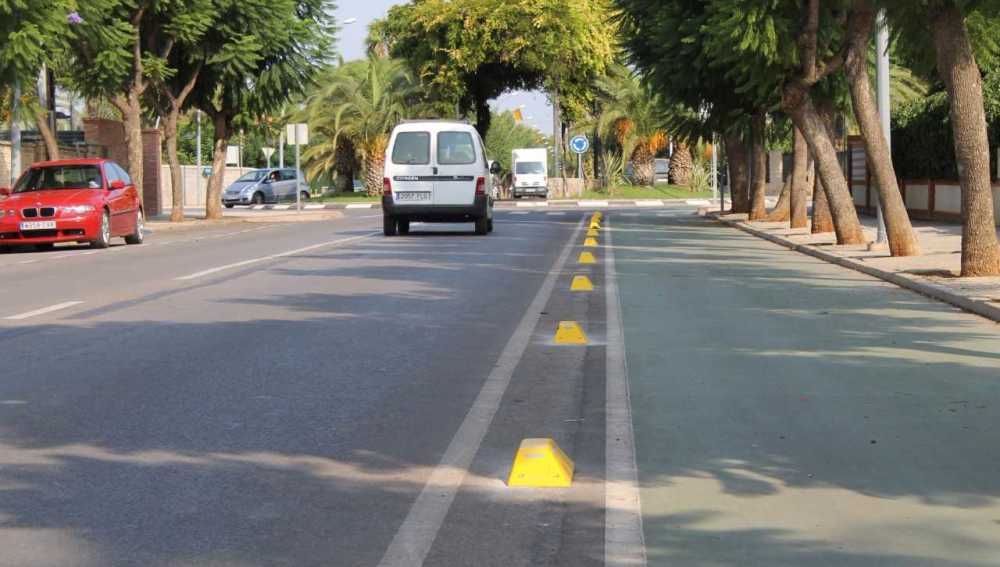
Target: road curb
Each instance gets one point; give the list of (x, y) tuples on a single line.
[(912, 283), (581, 203)]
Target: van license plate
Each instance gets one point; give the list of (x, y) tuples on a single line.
[(413, 196), (38, 225)]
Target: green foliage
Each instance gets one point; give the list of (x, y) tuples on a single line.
[(923, 143), (505, 135), (469, 51), (31, 33), (633, 115)]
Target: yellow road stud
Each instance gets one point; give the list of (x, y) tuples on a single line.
[(581, 283), (587, 258), (592, 232), (595, 224), (540, 463), (598, 215), (590, 242), (570, 333)]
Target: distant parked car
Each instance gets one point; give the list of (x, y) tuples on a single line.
[(359, 186), (81, 200), (264, 186)]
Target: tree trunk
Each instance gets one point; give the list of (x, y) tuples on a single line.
[(798, 105), (213, 198), (681, 164), (131, 110), (902, 240), (957, 67), (645, 165), (782, 210), (801, 167), (176, 184), (822, 220), (374, 166), (51, 144), (739, 177), (758, 168), (483, 116)]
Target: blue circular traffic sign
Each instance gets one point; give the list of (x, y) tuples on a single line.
[(579, 144)]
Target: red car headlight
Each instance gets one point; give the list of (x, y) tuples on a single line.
[(78, 209)]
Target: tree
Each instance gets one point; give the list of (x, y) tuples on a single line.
[(633, 116), (681, 163), (32, 35), (261, 55), (362, 102), (467, 52), (860, 24)]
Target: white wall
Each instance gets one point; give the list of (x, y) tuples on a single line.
[(194, 194)]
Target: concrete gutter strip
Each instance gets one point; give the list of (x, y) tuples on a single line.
[(913, 283)]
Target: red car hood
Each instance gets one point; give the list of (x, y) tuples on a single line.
[(55, 198)]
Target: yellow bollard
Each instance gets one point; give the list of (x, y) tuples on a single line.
[(581, 283), (540, 463), (587, 258), (570, 333)]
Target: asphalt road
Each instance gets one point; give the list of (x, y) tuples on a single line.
[(282, 394), (315, 394)]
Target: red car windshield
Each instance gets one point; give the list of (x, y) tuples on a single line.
[(60, 177)]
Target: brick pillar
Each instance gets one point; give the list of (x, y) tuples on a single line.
[(152, 197)]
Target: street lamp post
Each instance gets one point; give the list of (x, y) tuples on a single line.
[(884, 104)]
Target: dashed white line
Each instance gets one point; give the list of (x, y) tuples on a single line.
[(649, 203), (592, 203), (359, 206), (218, 269), (411, 543), (43, 310)]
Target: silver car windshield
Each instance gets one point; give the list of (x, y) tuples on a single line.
[(253, 176)]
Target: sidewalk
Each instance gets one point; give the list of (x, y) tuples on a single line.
[(934, 273)]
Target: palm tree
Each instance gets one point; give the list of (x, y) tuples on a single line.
[(362, 102), (633, 116)]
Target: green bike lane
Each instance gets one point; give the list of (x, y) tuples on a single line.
[(791, 412)]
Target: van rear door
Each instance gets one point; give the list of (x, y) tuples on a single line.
[(458, 163), (412, 173)]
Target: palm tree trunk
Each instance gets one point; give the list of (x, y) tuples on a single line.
[(958, 68), (374, 169), (758, 165), (645, 165), (681, 164), (782, 210), (798, 104), (802, 165), (822, 219), (739, 177), (902, 240)]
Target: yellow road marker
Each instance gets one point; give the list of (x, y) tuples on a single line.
[(592, 232), (590, 242), (570, 333), (540, 463), (581, 283), (595, 224), (598, 215), (587, 258)]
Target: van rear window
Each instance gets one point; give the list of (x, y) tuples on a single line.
[(412, 148), (455, 148)]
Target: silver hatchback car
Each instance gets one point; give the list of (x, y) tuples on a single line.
[(264, 186)]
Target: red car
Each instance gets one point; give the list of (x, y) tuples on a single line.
[(80, 200)]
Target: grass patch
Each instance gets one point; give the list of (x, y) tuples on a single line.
[(662, 191)]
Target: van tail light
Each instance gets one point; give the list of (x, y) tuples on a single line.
[(386, 187), (480, 186)]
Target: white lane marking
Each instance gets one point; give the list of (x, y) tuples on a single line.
[(411, 543), (272, 257), (628, 214), (649, 203), (359, 206), (592, 203), (43, 310), (520, 213), (623, 537), (555, 214), (532, 204)]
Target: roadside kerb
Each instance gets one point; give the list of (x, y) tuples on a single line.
[(578, 203), (920, 286)]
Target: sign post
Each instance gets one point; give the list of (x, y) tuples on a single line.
[(268, 152), (579, 144), (298, 135)]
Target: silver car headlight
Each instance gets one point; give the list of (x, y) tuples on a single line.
[(78, 209)]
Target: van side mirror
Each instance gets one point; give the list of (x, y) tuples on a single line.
[(495, 168)]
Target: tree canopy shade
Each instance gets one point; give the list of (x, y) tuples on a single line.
[(467, 52)]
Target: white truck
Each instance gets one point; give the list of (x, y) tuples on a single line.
[(529, 168)]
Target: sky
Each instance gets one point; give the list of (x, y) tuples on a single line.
[(351, 45)]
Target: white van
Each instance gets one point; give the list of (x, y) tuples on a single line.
[(529, 167), (436, 171)]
